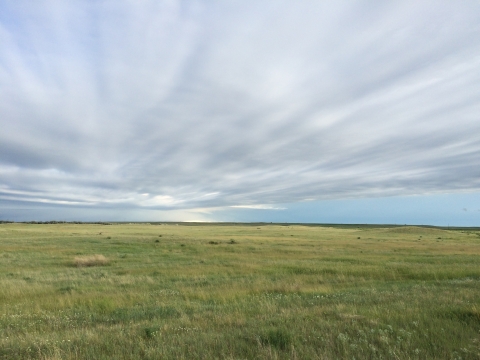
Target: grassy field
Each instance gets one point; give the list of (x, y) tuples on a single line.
[(141, 291)]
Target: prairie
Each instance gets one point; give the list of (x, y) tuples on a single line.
[(238, 291)]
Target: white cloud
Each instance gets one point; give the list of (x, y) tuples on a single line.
[(258, 207)]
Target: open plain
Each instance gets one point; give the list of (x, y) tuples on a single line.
[(238, 291)]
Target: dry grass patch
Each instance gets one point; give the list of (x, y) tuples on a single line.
[(90, 260)]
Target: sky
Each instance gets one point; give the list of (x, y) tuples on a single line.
[(276, 111)]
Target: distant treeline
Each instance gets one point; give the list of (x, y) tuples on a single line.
[(78, 222), (55, 222)]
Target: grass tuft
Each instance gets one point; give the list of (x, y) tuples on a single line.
[(279, 338), (150, 332), (90, 260)]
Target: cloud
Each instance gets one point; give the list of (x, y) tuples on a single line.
[(258, 207), (207, 105)]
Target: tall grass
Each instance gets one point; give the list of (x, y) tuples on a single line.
[(207, 291)]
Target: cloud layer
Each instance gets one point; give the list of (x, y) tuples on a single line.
[(205, 104)]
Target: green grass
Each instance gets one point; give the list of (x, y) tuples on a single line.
[(238, 292)]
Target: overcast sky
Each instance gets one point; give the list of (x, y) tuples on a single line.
[(237, 110)]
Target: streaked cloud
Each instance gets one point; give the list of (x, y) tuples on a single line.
[(197, 105), (258, 207)]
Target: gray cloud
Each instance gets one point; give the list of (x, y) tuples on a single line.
[(182, 105)]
